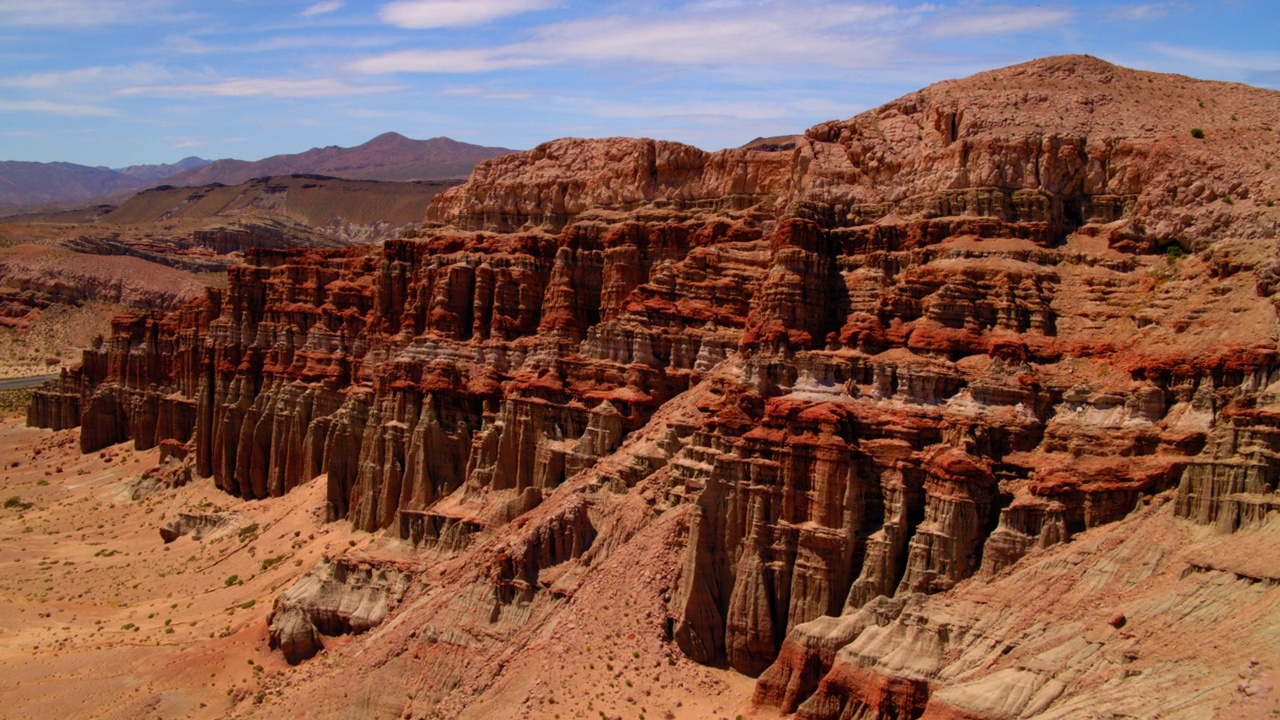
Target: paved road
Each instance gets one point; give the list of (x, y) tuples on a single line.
[(11, 383)]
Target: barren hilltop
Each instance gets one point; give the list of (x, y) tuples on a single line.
[(36, 187), (963, 407)]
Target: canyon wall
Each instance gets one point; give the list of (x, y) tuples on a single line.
[(912, 349)]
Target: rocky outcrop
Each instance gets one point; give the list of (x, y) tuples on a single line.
[(198, 525), (911, 352), (1232, 483), (335, 598), (263, 231), (35, 277), (56, 405)]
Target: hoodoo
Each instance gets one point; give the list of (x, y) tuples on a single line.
[(896, 418)]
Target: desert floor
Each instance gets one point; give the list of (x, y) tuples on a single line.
[(99, 618)]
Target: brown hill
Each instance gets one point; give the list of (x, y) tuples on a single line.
[(32, 183), (151, 173), (389, 156), (353, 210), (187, 233), (964, 407)]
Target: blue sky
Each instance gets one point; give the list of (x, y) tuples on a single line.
[(118, 82)]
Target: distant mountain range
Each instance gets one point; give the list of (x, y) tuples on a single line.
[(33, 183), (389, 156), (152, 173)]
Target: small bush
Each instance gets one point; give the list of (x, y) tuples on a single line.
[(231, 580), (1197, 133), (16, 502)]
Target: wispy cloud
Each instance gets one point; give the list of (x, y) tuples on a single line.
[(1144, 11), (96, 76), (191, 141), (264, 87), (1222, 60), (444, 61), (419, 14), (711, 110), (190, 45), (55, 108), (750, 38), (322, 8), (486, 94), (720, 33), (1003, 22), (79, 13)]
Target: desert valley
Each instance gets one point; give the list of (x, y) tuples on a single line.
[(966, 407)]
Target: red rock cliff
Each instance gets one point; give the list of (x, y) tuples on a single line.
[(917, 346)]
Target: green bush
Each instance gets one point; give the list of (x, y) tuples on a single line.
[(16, 502), (1197, 133)]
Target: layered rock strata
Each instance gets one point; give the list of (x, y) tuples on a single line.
[(335, 598), (910, 350)]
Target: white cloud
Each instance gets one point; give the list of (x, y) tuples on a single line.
[(189, 45), (419, 14), (709, 110), (264, 87), (186, 141), (63, 13), (322, 8), (443, 61), (189, 141), (485, 94), (719, 34), (55, 108), (95, 77), (1145, 11), (1007, 22), (1253, 62), (828, 34)]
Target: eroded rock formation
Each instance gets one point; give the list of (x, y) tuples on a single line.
[(335, 598), (909, 350)]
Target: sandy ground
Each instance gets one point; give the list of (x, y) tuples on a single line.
[(54, 340), (100, 619)]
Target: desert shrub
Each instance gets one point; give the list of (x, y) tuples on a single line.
[(13, 501), (1197, 133)]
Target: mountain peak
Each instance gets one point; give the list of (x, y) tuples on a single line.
[(388, 138)]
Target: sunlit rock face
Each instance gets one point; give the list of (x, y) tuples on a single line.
[(884, 363)]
